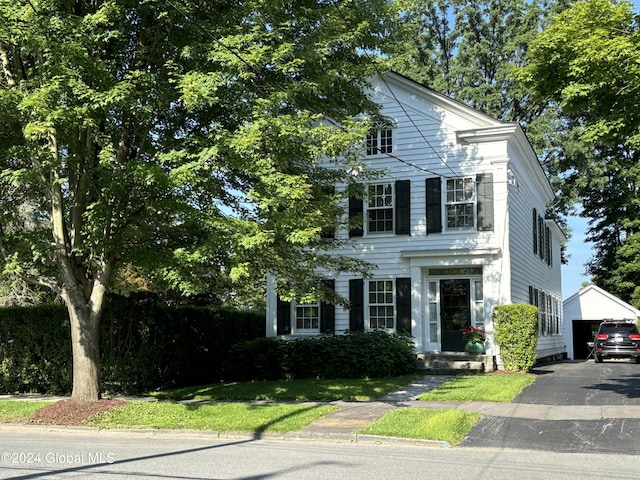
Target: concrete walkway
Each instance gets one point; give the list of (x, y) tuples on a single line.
[(351, 417)]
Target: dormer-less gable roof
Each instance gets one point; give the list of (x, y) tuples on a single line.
[(471, 126), (600, 304)]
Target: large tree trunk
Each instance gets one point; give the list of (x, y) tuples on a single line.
[(85, 311), (85, 343)]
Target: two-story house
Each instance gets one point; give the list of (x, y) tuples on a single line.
[(456, 226)]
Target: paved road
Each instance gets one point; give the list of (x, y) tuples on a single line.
[(579, 383), (56, 455)]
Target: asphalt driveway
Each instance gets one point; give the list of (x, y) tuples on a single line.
[(614, 382)]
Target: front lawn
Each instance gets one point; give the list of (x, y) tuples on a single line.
[(352, 389), (16, 411), (221, 417), (425, 424), (244, 415), (491, 387)]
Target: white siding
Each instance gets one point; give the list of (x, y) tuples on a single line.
[(438, 137)]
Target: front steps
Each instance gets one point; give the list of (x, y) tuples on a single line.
[(450, 363)]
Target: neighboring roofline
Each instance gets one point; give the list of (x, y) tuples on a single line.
[(599, 290)]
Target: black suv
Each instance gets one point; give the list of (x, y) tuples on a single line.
[(617, 339)]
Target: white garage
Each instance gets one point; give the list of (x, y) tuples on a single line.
[(584, 311)]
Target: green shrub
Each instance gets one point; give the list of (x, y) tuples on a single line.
[(258, 359), (516, 332), (352, 355), (35, 350)]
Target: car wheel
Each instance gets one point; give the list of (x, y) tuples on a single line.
[(597, 358)]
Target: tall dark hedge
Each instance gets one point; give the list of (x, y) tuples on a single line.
[(144, 346)]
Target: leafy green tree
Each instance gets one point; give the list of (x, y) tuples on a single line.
[(471, 50), (182, 139), (586, 65), (468, 49)]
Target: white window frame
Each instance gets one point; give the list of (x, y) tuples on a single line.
[(294, 317), (373, 204), (381, 139), (457, 198), (382, 305)]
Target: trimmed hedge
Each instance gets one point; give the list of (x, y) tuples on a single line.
[(144, 346), (353, 355), (516, 332)]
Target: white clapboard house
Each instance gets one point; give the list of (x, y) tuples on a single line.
[(456, 226)]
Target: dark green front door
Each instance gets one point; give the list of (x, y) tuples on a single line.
[(455, 313)]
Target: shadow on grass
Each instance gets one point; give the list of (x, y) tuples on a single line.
[(293, 390)]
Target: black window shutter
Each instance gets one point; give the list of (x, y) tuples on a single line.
[(328, 232), (485, 201), (434, 205), (355, 211), (284, 317), (328, 313), (535, 232), (403, 305), (531, 295), (547, 245), (540, 237), (356, 298), (403, 207)]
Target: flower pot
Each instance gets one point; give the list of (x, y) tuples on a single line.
[(474, 348)]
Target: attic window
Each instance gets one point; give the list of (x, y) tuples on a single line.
[(380, 139)]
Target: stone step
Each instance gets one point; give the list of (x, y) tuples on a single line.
[(452, 363)]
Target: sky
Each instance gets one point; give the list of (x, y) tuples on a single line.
[(578, 251)]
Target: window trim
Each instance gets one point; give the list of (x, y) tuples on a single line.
[(473, 203), (393, 304), (368, 209), (375, 149), (295, 330)]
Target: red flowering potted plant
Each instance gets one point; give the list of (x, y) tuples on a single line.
[(474, 339)]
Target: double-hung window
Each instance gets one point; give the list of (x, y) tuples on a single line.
[(464, 203), (381, 304), (380, 208), (388, 209), (461, 203)]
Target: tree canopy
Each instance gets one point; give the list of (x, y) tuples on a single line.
[(586, 65), (178, 139), (471, 50)]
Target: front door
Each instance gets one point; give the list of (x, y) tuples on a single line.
[(455, 313)]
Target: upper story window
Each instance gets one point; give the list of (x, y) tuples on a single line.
[(380, 139), (388, 209), (464, 203), (461, 203), (380, 208)]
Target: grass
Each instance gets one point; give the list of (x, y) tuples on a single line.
[(495, 387), (242, 415), (446, 424), (222, 417), (353, 389), (426, 424), (18, 411)]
